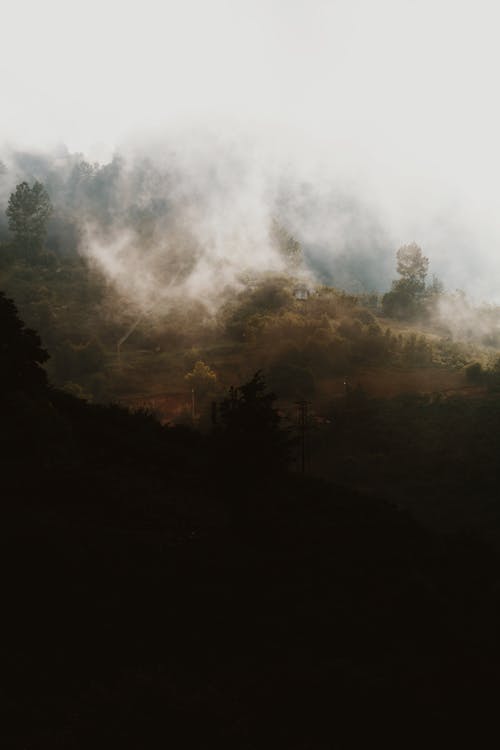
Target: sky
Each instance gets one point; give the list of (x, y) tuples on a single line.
[(393, 100)]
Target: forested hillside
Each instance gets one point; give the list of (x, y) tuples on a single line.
[(249, 375), (166, 583), (238, 506)]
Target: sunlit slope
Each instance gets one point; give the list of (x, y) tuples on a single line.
[(311, 342)]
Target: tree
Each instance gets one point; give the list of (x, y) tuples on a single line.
[(412, 266), (407, 293), (201, 378), (250, 429), (21, 353), (28, 211)]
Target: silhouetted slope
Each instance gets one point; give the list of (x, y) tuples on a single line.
[(159, 594)]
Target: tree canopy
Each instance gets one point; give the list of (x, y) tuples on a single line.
[(202, 378), (251, 429), (28, 211), (412, 266), (404, 299)]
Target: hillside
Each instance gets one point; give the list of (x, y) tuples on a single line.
[(308, 347), (166, 585), (249, 375), (202, 562)]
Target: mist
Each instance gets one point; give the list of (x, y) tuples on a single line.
[(359, 127)]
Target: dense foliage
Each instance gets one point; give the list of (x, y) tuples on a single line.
[(28, 211)]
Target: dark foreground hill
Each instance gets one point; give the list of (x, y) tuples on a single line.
[(164, 588)]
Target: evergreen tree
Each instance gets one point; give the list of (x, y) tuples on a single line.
[(28, 211), (251, 431)]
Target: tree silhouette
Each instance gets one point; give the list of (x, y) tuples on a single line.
[(21, 353), (250, 427), (28, 211)]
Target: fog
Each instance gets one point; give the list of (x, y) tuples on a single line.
[(361, 125)]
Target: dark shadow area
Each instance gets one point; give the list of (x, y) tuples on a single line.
[(166, 588)]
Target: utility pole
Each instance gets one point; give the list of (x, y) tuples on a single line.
[(302, 425)]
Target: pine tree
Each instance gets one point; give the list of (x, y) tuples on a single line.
[(28, 211)]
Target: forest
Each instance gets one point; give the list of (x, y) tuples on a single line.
[(243, 505)]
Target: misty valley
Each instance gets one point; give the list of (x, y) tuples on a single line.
[(248, 497)]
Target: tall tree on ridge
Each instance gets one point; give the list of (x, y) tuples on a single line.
[(28, 212)]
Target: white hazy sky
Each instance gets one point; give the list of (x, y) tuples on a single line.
[(397, 97)]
